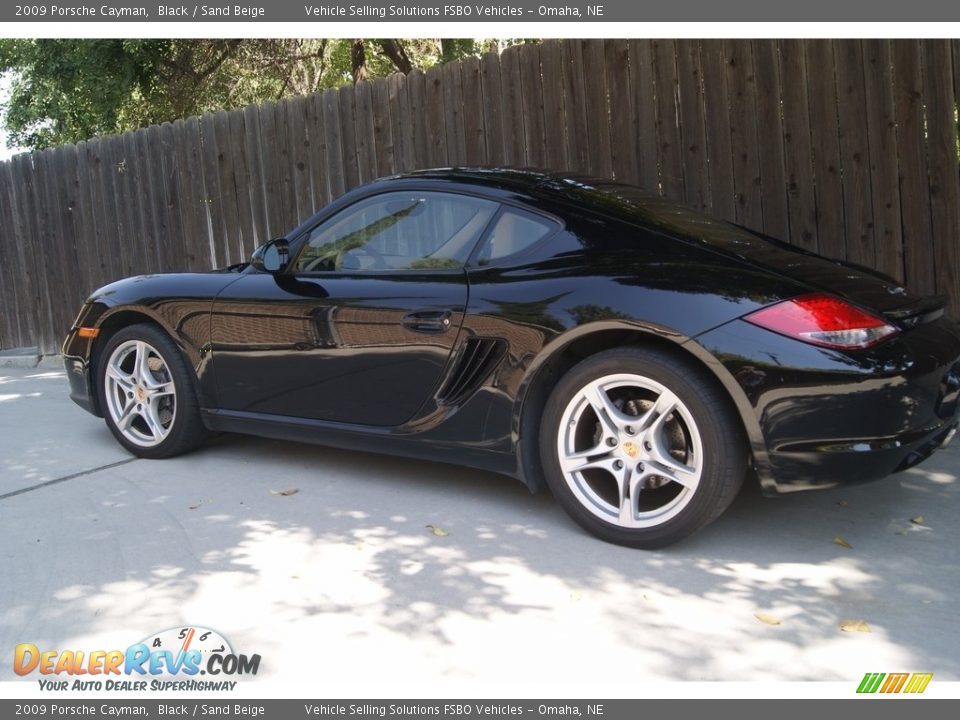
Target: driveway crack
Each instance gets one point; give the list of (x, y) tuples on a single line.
[(72, 476)]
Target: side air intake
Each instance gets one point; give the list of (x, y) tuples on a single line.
[(478, 358)]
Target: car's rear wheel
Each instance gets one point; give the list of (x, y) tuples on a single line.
[(640, 448), (147, 393)]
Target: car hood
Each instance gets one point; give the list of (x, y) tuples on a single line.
[(156, 287)]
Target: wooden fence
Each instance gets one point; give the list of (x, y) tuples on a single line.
[(848, 148)]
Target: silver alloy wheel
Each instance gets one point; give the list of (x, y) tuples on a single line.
[(140, 393), (630, 450)]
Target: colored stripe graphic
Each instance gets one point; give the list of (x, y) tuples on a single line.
[(870, 682), (894, 682), (918, 682)]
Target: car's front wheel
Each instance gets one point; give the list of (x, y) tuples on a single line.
[(147, 395), (640, 448)]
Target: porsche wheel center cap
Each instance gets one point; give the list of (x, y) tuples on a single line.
[(141, 394), (631, 449)]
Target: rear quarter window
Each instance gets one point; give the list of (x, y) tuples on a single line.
[(513, 232)]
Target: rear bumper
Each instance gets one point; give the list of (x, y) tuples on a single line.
[(821, 418)]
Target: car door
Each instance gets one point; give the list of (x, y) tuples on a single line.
[(360, 326)]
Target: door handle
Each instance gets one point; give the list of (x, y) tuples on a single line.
[(428, 321)]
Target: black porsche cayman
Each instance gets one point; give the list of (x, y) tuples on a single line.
[(635, 356)]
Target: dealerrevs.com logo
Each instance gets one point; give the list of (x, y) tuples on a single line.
[(170, 660), (888, 683)]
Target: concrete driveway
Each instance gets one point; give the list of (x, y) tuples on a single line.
[(342, 583)]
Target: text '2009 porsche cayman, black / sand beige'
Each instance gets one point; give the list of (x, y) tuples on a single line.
[(636, 357)]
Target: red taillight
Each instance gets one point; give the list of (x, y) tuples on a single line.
[(824, 320)]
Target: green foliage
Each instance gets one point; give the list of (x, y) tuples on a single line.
[(66, 90)]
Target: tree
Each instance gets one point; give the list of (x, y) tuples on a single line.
[(66, 90)]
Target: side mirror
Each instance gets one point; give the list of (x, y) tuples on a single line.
[(272, 257)]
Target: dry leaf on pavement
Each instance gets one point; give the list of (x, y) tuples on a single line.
[(842, 543), (285, 493), (437, 530), (854, 626), (767, 619)]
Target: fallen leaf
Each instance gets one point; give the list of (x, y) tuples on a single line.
[(767, 619), (437, 530), (842, 543), (918, 520), (854, 626), (285, 493), (202, 502)]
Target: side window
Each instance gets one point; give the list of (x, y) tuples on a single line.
[(513, 232), (398, 231)]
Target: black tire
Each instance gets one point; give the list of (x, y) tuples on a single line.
[(161, 425), (603, 457)]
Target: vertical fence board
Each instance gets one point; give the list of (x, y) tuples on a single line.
[(693, 131), (669, 142), (27, 228), (257, 192), (575, 102), (944, 193), (167, 255), (623, 137), (531, 88), (416, 129), (317, 157), (172, 196), (401, 121), (741, 86), (597, 108), (512, 107), (128, 203), (138, 168), (348, 137), (47, 258), (436, 121), (270, 155), (854, 153), (766, 65), (213, 193), (229, 203), (245, 189), (554, 131), (366, 143), (16, 310), (490, 88), (331, 133), (300, 140), (383, 128), (801, 191), (645, 108), (824, 134), (912, 152), (452, 94), (719, 147), (475, 147), (97, 230), (81, 273)]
